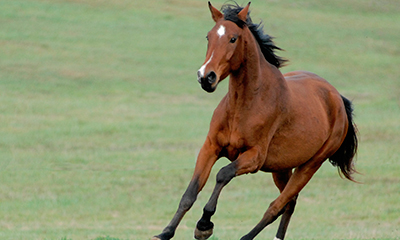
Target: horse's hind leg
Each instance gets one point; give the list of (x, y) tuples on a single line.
[(281, 179), (297, 181)]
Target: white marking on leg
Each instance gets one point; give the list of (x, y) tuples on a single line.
[(277, 238), (201, 70), (221, 31)]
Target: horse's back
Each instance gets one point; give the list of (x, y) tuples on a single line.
[(307, 87), (304, 77)]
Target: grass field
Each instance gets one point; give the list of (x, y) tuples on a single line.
[(101, 118)]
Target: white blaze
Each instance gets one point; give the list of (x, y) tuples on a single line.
[(221, 31), (201, 70)]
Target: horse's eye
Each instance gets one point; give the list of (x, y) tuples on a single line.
[(207, 38), (233, 40)]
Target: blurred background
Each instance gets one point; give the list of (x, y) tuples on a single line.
[(101, 118)]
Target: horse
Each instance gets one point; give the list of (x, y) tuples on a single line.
[(287, 124)]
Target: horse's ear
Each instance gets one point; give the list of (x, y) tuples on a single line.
[(243, 14), (215, 13)]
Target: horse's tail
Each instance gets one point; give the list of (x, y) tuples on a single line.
[(343, 158)]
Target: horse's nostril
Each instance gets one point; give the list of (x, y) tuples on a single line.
[(211, 77)]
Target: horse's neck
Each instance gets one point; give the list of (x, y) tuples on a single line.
[(256, 80)]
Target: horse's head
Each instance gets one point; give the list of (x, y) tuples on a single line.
[(225, 49)]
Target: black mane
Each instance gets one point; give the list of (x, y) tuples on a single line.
[(267, 46)]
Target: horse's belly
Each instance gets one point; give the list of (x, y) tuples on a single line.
[(291, 150), (283, 159)]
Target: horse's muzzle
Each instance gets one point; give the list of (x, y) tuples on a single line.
[(208, 82)]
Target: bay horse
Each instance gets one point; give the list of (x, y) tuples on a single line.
[(284, 124)]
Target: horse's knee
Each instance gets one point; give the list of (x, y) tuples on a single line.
[(226, 174), (190, 196), (186, 202)]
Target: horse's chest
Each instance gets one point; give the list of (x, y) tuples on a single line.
[(238, 135), (237, 144)]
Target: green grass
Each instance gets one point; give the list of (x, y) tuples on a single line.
[(102, 117)]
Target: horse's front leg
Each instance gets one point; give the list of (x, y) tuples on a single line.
[(246, 163), (206, 159)]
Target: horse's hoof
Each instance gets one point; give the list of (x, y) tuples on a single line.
[(202, 235), (155, 238)]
